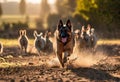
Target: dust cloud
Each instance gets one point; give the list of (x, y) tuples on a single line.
[(80, 58)]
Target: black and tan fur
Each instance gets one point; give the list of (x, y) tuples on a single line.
[(65, 41)]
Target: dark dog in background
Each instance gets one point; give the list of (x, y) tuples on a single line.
[(23, 40), (65, 41), (85, 38), (93, 37), (42, 42), (48, 43), (39, 42)]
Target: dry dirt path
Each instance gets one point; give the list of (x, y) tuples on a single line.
[(32, 68)]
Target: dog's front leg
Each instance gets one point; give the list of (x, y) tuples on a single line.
[(65, 57), (59, 55)]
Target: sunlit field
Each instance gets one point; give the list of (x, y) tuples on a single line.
[(109, 42), (36, 38), (13, 42), (13, 60)]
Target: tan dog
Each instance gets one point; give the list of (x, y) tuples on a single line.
[(23, 40), (65, 41)]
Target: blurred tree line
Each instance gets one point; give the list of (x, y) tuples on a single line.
[(100, 13), (22, 7), (103, 15), (65, 10), (1, 10)]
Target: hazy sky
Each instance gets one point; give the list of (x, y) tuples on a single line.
[(31, 1)]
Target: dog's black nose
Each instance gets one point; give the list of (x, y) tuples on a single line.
[(63, 35)]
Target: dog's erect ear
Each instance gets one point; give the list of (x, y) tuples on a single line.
[(92, 30), (24, 32), (20, 31), (83, 28), (69, 24), (35, 33), (41, 34), (88, 27), (47, 33), (60, 24)]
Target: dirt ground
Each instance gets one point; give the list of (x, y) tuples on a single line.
[(102, 66)]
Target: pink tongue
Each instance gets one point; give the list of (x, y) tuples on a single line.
[(64, 40)]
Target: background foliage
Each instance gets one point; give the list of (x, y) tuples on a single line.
[(103, 15)]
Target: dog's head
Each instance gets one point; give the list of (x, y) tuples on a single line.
[(38, 36), (64, 31), (91, 32), (84, 34), (22, 33)]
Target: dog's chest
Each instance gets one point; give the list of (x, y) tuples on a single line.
[(68, 46)]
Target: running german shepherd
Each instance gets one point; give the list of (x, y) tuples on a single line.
[(65, 41)]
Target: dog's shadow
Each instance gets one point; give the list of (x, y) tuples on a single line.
[(94, 74)]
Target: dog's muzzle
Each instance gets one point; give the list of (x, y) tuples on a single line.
[(86, 39), (64, 37)]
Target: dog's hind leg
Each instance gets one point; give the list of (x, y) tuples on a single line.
[(21, 50)]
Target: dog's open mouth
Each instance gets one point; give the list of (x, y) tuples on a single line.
[(64, 39)]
